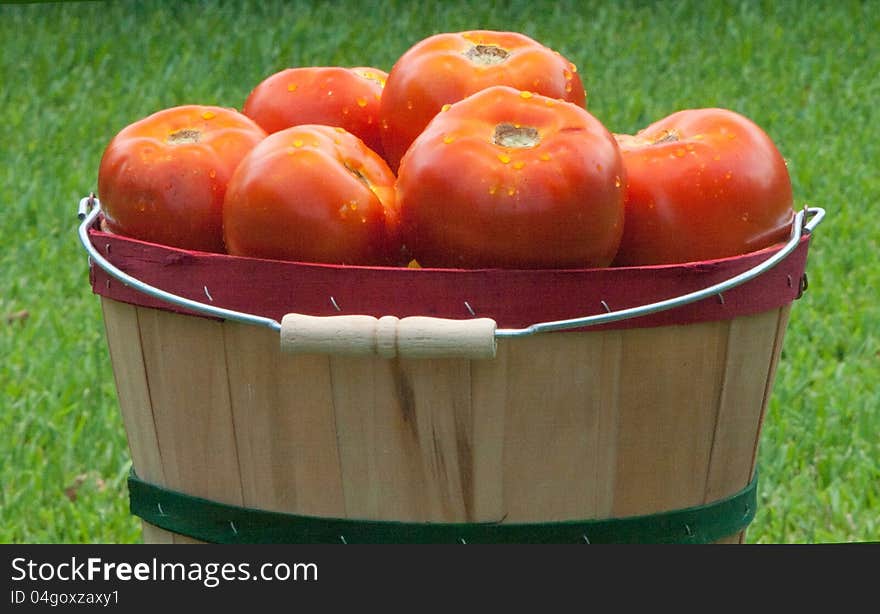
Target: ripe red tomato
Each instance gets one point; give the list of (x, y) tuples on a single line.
[(331, 95), (162, 178), (702, 184), (445, 68), (507, 178), (312, 193)]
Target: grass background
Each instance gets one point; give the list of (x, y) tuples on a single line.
[(73, 74)]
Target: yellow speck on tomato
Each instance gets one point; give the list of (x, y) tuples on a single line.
[(444, 108), (518, 164), (298, 143), (525, 94), (504, 158), (448, 139), (339, 128), (511, 191), (361, 102), (209, 115), (493, 189)]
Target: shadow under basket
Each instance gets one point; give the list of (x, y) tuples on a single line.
[(640, 429)]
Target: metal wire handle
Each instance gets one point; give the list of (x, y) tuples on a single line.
[(805, 221)]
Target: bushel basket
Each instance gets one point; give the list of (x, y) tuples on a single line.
[(269, 401)]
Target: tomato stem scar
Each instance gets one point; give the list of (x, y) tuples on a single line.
[(486, 55), (508, 135), (667, 136), (184, 135)]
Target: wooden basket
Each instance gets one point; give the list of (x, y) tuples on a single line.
[(626, 419)]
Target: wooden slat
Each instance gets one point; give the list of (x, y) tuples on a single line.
[(746, 369), (132, 389), (186, 367), (669, 388), (441, 404), (377, 435), (778, 340), (156, 535), (285, 428), (552, 422), (607, 406), (489, 398)]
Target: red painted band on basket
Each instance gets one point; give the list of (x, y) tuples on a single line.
[(513, 298)]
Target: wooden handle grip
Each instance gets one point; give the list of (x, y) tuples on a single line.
[(388, 336)]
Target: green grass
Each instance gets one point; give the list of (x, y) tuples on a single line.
[(73, 74)]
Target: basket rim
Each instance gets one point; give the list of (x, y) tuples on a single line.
[(512, 297)]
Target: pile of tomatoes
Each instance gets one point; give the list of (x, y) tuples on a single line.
[(475, 151)]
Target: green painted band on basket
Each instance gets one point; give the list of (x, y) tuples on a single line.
[(220, 523)]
